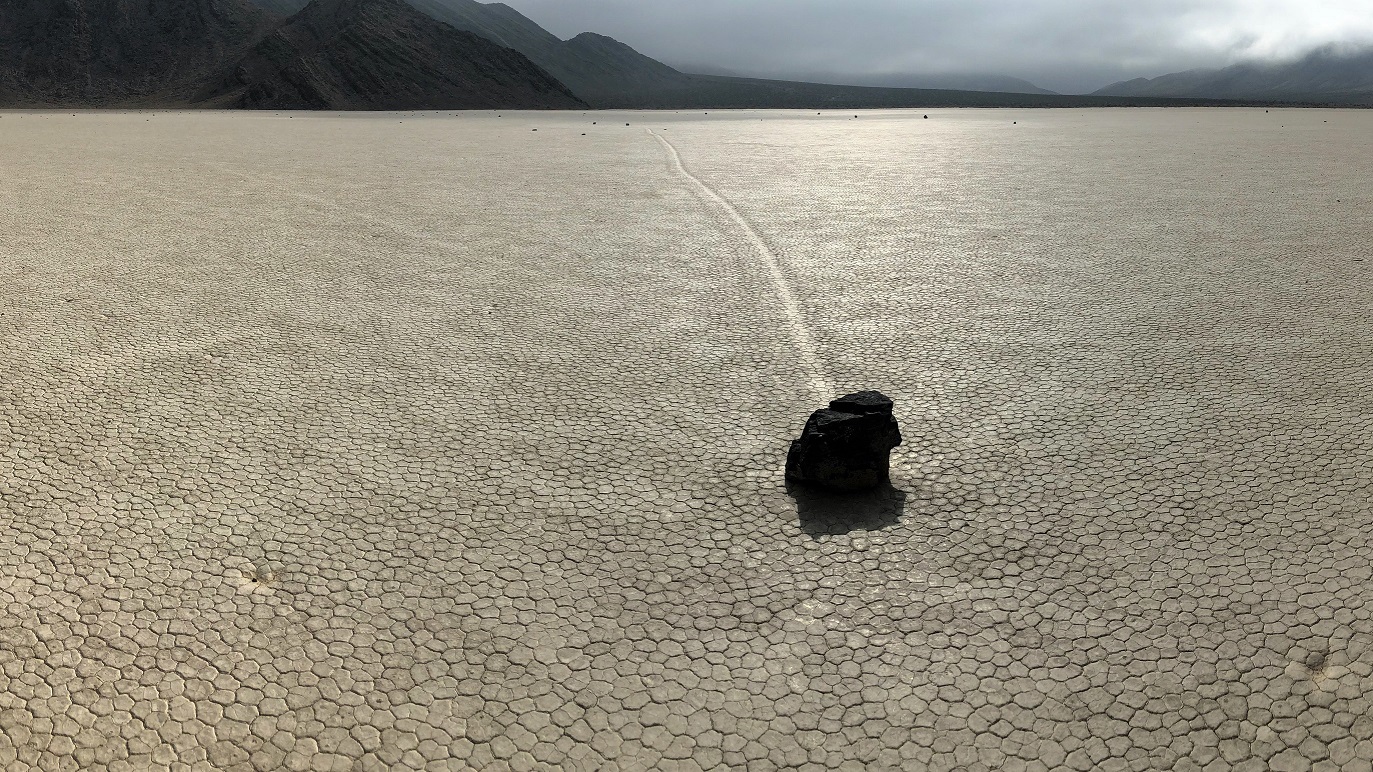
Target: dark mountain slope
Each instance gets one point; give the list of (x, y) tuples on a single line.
[(283, 7), (1325, 75), (599, 69), (602, 68), (110, 52), (496, 22), (383, 55)]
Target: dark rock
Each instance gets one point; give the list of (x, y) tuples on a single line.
[(847, 446)]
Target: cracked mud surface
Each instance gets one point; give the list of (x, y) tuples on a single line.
[(432, 442)]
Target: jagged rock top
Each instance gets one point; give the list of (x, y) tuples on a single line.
[(863, 402)]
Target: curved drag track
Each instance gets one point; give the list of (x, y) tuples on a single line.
[(797, 324)]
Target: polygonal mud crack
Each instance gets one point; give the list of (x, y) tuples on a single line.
[(248, 578)]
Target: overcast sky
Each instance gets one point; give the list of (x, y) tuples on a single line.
[(1064, 45)]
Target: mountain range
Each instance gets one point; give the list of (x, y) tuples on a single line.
[(420, 54), (1329, 75), (943, 81)]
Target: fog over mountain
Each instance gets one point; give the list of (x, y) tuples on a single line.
[(1065, 45), (1327, 75)]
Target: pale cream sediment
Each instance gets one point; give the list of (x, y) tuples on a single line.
[(355, 442)]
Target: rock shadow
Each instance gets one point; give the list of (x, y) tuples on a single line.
[(823, 513)]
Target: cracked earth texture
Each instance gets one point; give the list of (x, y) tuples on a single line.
[(341, 442)]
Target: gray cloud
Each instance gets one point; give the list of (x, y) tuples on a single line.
[(1065, 45)]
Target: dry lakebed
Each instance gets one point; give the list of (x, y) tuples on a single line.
[(455, 441)]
